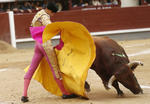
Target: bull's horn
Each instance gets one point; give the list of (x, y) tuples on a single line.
[(134, 64), (111, 80)]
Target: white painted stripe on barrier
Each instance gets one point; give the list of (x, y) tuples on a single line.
[(30, 39), (140, 53), (120, 31), (94, 34), (24, 40), (142, 86), (2, 70)]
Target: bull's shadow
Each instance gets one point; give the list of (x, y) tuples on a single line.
[(106, 96)]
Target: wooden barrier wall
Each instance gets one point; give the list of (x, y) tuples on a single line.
[(109, 19), (4, 27), (22, 24), (94, 20)]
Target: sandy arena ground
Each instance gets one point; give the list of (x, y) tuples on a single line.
[(12, 63)]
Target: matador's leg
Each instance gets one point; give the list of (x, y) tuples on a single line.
[(51, 57), (37, 57), (53, 63)]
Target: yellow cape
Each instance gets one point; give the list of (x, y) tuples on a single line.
[(74, 59)]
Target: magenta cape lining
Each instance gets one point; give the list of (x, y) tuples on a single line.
[(36, 33)]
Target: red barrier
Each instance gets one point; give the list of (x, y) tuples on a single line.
[(94, 20), (4, 27), (109, 19), (22, 24)]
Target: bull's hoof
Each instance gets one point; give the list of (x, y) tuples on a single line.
[(87, 87), (120, 93), (69, 96), (106, 87), (88, 90), (142, 92), (24, 99)]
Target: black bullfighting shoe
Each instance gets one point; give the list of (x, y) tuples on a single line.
[(24, 99), (69, 96)]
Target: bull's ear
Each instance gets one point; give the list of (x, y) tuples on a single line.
[(134, 64), (111, 80)]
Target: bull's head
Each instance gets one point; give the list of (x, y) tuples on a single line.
[(127, 78)]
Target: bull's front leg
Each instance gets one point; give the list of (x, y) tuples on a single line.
[(116, 86)]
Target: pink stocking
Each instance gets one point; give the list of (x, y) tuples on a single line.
[(61, 86), (38, 55), (26, 85)]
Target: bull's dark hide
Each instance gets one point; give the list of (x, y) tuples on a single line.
[(112, 65)]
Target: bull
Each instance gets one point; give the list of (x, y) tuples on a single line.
[(112, 65)]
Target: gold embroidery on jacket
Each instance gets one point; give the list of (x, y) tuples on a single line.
[(41, 19), (52, 58)]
